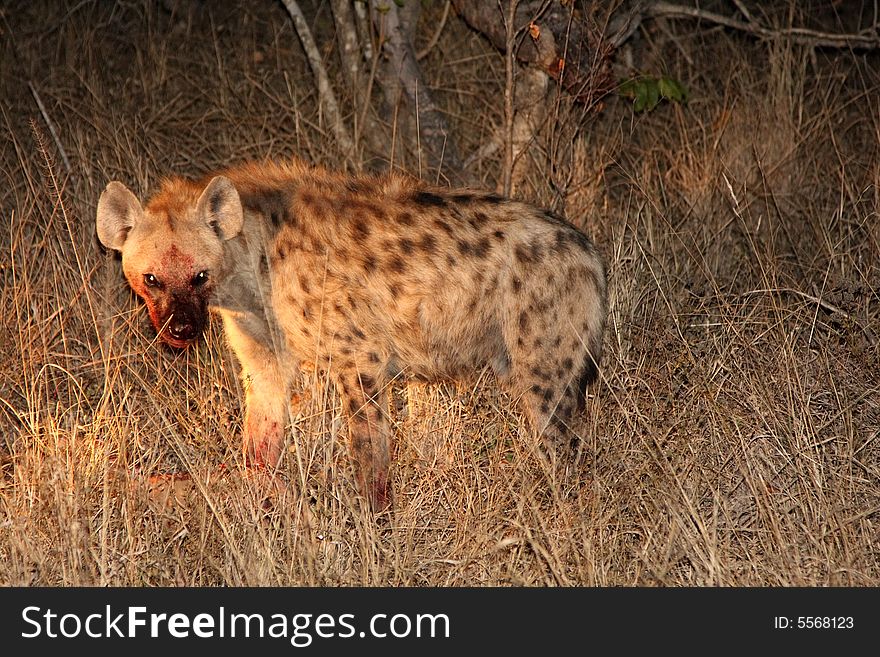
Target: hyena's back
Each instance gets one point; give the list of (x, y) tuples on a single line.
[(381, 276)]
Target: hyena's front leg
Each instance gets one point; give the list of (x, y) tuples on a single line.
[(266, 376), (365, 400)]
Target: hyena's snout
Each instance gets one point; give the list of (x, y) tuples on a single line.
[(181, 320)]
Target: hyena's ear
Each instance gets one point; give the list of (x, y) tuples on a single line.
[(118, 211), (221, 207)]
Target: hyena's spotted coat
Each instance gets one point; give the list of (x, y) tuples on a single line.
[(366, 278)]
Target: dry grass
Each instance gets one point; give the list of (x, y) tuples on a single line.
[(733, 439)]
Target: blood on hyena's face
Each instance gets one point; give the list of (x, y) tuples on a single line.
[(176, 291)]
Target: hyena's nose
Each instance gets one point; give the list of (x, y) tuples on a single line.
[(181, 329)]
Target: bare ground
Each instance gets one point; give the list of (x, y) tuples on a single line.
[(732, 439)]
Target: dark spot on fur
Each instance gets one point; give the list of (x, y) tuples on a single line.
[(428, 243), (273, 204), (428, 199), (360, 228), (493, 199), (545, 407), (498, 235), (394, 289), (373, 356), (307, 311), (538, 372), (524, 323), (368, 382), (481, 248), (547, 395), (450, 260), (463, 198), (516, 284), (464, 247), (567, 363), (528, 255), (369, 264), (404, 218), (406, 245), (557, 341), (354, 406), (304, 284), (358, 333), (396, 264), (442, 225)]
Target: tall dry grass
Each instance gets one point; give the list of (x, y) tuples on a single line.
[(732, 438)]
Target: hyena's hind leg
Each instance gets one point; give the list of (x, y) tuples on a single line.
[(554, 341), (365, 398)]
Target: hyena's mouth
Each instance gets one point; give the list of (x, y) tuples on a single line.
[(177, 343), (179, 329)]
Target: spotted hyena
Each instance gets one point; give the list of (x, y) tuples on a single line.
[(367, 279)]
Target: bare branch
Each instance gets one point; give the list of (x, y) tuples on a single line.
[(509, 90), (326, 96), (434, 39), (868, 38), (347, 42)]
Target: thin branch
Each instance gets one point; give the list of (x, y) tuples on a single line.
[(434, 39), (325, 93), (509, 90), (868, 38)]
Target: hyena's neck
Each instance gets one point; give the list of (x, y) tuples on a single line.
[(243, 283)]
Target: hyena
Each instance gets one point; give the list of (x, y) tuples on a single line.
[(367, 279)]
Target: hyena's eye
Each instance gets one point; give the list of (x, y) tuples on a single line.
[(200, 279), (151, 280)]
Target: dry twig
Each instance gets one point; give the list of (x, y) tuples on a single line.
[(868, 38), (325, 92)]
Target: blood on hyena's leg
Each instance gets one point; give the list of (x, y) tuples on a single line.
[(365, 400), (267, 390)]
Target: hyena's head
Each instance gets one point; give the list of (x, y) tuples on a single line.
[(172, 250)]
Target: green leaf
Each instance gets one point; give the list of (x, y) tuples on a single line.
[(652, 94), (641, 96), (672, 89)]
